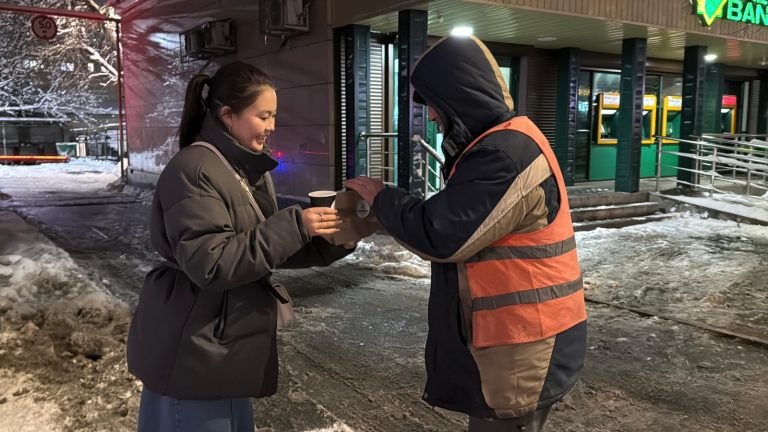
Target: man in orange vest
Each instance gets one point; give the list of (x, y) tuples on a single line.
[(507, 320)]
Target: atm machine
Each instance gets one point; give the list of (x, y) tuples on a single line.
[(671, 122), (671, 117), (728, 113), (649, 118), (607, 118)]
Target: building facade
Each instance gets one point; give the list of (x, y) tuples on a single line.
[(605, 80)]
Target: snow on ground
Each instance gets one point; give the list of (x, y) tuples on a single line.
[(35, 271), (383, 254), (338, 427), (740, 205), (50, 314), (82, 175), (705, 270), (50, 171), (749, 201), (61, 336)]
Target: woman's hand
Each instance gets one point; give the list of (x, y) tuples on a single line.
[(321, 220)]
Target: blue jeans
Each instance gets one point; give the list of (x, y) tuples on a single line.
[(166, 414)]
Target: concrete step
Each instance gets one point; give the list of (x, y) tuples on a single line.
[(607, 199), (622, 222), (604, 212)]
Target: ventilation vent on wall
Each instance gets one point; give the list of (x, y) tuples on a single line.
[(208, 40), (283, 17)]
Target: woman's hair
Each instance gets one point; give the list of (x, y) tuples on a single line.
[(236, 85)]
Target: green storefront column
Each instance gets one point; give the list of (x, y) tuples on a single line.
[(714, 87), (694, 74), (355, 77), (630, 133), (762, 105), (412, 117), (568, 63)]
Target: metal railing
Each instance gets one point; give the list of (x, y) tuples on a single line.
[(384, 156), (427, 169), (720, 160), (424, 165)]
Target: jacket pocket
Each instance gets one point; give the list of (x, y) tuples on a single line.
[(249, 312), (220, 322)]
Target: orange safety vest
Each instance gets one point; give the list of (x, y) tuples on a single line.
[(527, 287)]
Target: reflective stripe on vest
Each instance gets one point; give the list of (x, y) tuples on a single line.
[(527, 287)]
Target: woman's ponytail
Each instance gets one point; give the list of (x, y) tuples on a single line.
[(194, 110)]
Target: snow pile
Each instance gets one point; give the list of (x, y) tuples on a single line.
[(383, 254), (738, 205), (36, 277), (142, 194), (60, 334), (81, 175), (33, 270), (337, 427), (74, 166), (745, 200)]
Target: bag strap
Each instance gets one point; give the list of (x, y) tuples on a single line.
[(240, 179)]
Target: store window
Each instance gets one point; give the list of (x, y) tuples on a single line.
[(672, 85), (606, 82)]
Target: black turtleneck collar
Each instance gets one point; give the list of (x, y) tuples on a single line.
[(250, 165)]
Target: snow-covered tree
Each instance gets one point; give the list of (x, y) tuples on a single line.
[(74, 75)]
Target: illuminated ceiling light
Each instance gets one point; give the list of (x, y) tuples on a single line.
[(547, 39), (709, 58), (462, 31)]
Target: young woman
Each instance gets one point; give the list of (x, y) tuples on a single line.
[(202, 339)]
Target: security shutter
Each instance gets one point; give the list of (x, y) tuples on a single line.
[(343, 117), (542, 94), (376, 108)]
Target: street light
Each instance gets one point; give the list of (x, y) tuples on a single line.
[(462, 31)]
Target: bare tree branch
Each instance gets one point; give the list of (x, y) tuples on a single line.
[(55, 79)]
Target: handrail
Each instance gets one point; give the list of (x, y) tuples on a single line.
[(737, 135), (431, 152), (367, 137), (752, 143), (418, 139), (426, 170), (742, 157)]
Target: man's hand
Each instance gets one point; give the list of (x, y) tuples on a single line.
[(368, 188)]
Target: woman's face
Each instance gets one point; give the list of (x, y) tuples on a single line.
[(252, 126)]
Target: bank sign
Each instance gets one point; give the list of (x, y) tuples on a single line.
[(743, 11)]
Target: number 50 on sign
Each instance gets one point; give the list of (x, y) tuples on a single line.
[(44, 27)]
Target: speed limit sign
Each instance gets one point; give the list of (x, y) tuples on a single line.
[(44, 27)]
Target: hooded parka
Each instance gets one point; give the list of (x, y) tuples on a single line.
[(205, 324), (507, 321)]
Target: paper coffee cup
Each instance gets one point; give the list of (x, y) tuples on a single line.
[(322, 198)]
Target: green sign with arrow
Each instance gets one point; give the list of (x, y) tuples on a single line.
[(744, 11)]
